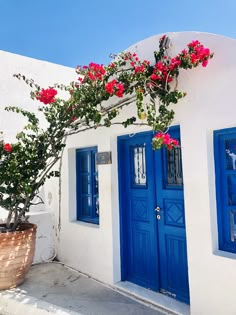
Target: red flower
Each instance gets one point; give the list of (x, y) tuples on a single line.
[(194, 58), (167, 140), (193, 44), (91, 76), (46, 96), (113, 87), (109, 87), (120, 90), (174, 63), (7, 147), (159, 66), (139, 69), (94, 71), (155, 77), (204, 63)]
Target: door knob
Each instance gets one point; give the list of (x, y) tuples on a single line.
[(158, 217), (157, 209)]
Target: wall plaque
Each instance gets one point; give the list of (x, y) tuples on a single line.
[(103, 157)]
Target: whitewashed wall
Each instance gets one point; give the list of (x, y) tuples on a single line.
[(16, 93), (209, 105)]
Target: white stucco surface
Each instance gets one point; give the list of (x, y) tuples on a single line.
[(16, 93), (208, 106)]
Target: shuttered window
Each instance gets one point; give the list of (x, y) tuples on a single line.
[(225, 171), (87, 185)]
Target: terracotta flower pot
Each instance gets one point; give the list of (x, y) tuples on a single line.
[(16, 255)]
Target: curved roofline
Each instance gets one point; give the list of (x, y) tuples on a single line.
[(182, 32)]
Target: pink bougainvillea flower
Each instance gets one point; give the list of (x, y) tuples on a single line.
[(193, 44), (109, 87), (205, 63), (7, 147), (93, 72), (175, 142), (165, 139), (155, 77), (115, 88), (46, 96), (120, 90), (139, 69)]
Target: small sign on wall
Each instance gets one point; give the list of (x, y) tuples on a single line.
[(103, 158)]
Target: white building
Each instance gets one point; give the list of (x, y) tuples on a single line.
[(158, 225)]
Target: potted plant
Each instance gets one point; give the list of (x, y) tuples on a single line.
[(27, 163)]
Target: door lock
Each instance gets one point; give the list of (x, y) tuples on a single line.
[(158, 217), (157, 209)]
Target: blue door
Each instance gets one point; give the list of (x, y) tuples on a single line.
[(153, 241)]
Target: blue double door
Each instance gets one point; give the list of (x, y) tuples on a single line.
[(153, 238)]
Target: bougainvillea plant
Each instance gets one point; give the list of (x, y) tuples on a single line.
[(94, 100)]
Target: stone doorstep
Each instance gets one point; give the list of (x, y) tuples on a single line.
[(163, 303)]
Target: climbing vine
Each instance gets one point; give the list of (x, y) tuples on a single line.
[(94, 100)]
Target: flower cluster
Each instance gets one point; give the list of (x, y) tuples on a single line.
[(115, 88), (161, 72), (7, 147), (164, 139), (127, 75), (196, 54), (46, 96), (93, 72)]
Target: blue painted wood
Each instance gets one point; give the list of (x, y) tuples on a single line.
[(225, 174), (86, 185), (171, 229), (153, 252), (138, 223)]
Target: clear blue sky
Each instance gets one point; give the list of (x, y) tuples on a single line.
[(72, 32)]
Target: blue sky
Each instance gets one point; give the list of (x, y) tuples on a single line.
[(76, 32)]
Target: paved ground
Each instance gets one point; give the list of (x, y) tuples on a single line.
[(55, 288)]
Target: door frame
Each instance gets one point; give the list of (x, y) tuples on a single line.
[(122, 198)]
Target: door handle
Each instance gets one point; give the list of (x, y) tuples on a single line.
[(158, 209), (158, 217)]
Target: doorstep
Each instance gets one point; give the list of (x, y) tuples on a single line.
[(162, 301)]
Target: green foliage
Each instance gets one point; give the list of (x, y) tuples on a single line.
[(26, 164)]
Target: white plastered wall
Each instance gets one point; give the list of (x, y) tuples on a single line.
[(209, 105), (16, 93)]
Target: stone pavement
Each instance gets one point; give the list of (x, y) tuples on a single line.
[(55, 289)]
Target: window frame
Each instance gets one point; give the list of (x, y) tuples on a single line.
[(92, 173), (221, 184)]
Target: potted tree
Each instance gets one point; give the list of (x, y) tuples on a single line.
[(27, 163)]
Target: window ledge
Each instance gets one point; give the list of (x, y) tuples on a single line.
[(224, 254), (87, 224)]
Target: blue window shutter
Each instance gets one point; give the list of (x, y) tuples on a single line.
[(225, 174), (87, 185)]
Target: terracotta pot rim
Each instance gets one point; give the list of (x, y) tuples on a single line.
[(25, 225)]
